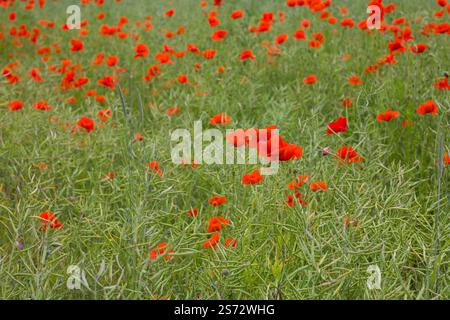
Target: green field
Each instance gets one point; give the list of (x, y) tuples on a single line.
[(389, 210)]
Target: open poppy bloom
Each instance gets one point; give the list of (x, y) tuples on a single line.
[(428, 107), (219, 35), (15, 105), (387, 116), (111, 61), (217, 201), (213, 241), (107, 81), (318, 185), (340, 125), (182, 78), (193, 212), (299, 34), (77, 45), (217, 223), (348, 155), (355, 80), (161, 250), (281, 38), (49, 220), (86, 123), (221, 118), (247, 54), (209, 54), (442, 84), (252, 178), (237, 14), (347, 22), (142, 51), (311, 79), (419, 48), (42, 105), (169, 13), (172, 111), (290, 151)]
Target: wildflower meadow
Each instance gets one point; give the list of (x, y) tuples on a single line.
[(224, 149)]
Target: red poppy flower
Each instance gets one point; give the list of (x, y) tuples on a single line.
[(182, 78), (332, 20), (231, 243), (290, 152), (305, 23), (209, 54), (355, 80), (104, 114), (290, 201), (213, 21), (154, 166), (138, 137), (213, 241), (419, 48), (219, 35), (298, 182), (81, 82), (428, 107), (107, 81), (247, 54), (318, 185), (111, 61), (164, 58), (340, 125), (35, 75), (49, 220), (160, 250), (348, 155), (142, 50), (217, 201), (299, 34), (86, 123), (15, 105), (237, 14), (217, 223), (446, 158), (347, 22), (281, 38), (98, 59), (77, 45), (442, 84), (221, 118), (311, 79), (387, 116), (347, 102), (252, 178), (42, 105), (169, 13), (172, 111), (193, 212)]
